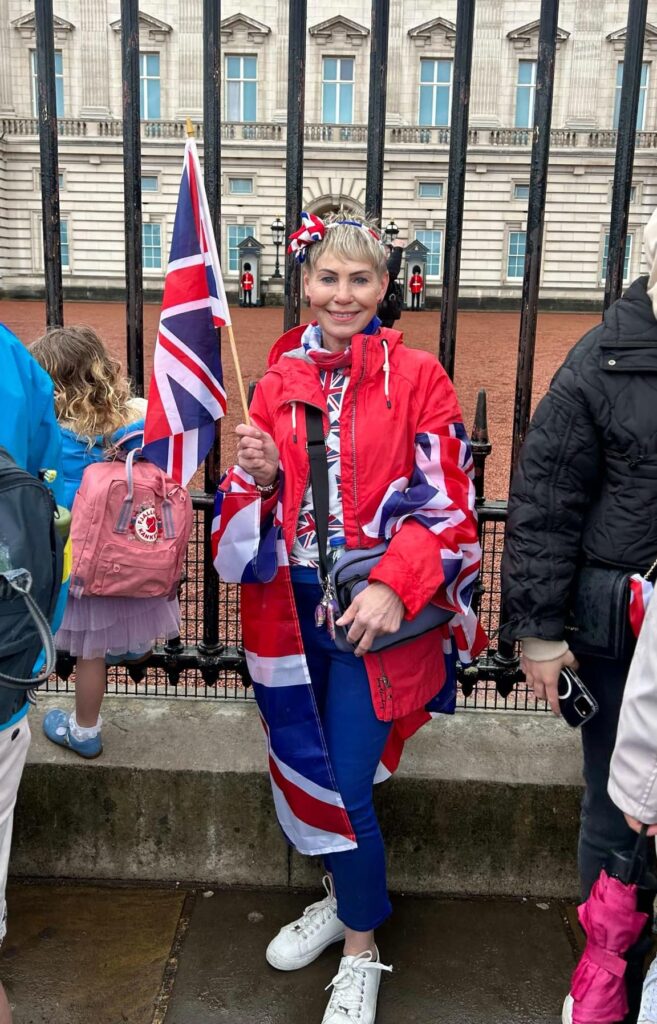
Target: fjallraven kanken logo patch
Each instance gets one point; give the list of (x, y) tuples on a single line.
[(146, 525)]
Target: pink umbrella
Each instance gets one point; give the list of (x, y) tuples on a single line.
[(612, 924)]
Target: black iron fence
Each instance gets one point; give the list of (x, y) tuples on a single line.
[(207, 660)]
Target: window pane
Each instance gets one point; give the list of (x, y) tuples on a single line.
[(153, 86), (346, 104), (523, 103), (430, 189), (426, 104), (233, 67), (433, 242), (626, 260), (329, 104), (442, 105), (330, 69), (427, 70), (516, 254), (619, 74), (644, 74), (521, 191), (63, 238), (153, 64), (59, 96), (250, 67), (236, 234), (526, 72), (149, 183), (233, 101), (241, 186), (249, 101), (59, 63), (346, 70), (444, 70), (152, 246)]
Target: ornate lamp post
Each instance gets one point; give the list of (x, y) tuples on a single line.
[(278, 233), (391, 231)]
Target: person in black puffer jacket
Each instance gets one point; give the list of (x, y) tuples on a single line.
[(585, 493)]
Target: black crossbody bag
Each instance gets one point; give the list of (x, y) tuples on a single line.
[(599, 624), (343, 581)]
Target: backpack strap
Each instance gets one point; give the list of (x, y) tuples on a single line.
[(20, 581), (125, 515), (319, 483)]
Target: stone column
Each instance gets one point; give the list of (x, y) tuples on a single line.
[(6, 98), (190, 59), (488, 60), (583, 89), (396, 49), (281, 28), (93, 42)]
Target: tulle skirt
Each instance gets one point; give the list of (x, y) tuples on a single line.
[(95, 626)]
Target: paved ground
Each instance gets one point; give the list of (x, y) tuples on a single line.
[(486, 354), (89, 955)]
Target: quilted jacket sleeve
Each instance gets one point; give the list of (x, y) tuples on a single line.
[(557, 476)]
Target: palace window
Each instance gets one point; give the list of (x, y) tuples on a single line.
[(433, 239), (241, 88), (338, 90), (149, 86), (435, 91), (643, 92), (59, 84)]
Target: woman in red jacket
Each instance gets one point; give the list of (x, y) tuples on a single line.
[(400, 470)]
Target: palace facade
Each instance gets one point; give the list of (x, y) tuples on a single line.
[(589, 69)]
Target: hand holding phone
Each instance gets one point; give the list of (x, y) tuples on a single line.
[(576, 703)]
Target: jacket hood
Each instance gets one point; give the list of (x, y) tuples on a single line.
[(292, 340), (632, 318)]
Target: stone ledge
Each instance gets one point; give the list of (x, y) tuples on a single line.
[(483, 803)]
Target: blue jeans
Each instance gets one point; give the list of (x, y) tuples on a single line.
[(355, 739)]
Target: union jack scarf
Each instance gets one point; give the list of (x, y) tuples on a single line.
[(245, 550)]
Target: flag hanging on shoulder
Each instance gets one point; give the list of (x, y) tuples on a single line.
[(186, 395)]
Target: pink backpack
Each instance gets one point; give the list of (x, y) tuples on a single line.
[(129, 532)]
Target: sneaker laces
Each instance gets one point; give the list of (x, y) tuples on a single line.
[(318, 913), (349, 983)]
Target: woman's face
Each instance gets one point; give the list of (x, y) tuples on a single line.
[(343, 296)]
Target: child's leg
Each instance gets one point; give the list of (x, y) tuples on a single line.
[(90, 680)]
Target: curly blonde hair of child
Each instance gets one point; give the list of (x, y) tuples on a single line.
[(348, 241), (91, 393)]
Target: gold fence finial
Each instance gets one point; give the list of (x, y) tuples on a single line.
[(191, 131)]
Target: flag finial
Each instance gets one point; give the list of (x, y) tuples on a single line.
[(189, 127)]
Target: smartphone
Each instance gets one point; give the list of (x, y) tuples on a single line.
[(576, 704)]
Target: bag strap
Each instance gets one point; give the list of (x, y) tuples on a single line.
[(319, 482), (20, 581)]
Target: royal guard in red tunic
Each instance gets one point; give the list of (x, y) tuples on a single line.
[(416, 284), (246, 284)]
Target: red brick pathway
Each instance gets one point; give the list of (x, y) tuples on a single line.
[(485, 356)]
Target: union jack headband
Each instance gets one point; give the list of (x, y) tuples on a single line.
[(313, 230)]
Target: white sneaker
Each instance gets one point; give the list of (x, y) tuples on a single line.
[(648, 1008), (355, 990), (299, 943), (567, 1011)]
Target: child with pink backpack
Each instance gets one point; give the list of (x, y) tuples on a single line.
[(129, 531)]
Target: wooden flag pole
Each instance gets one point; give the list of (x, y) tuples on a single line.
[(238, 371), (189, 127)]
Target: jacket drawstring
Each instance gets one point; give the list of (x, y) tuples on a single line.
[(294, 422), (386, 373)]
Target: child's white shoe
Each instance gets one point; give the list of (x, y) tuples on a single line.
[(355, 990)]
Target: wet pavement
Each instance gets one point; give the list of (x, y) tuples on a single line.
[(77, 954)]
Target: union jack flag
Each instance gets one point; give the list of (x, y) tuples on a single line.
[(186, 396)]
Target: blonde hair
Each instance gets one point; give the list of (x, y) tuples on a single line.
[(91, 393), (350, 241)]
